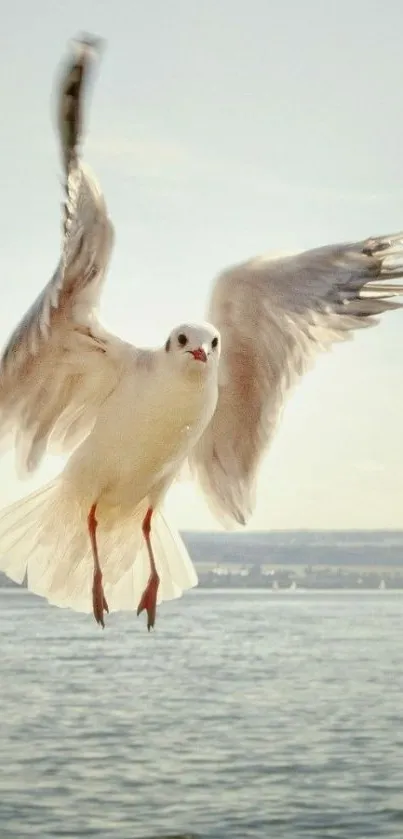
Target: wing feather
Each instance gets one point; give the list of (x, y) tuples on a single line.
[(60, 364), (274, 316)]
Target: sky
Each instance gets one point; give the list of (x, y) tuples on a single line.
[(220, 130)]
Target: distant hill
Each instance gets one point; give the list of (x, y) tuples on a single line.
[(293, 547), (298, 547)]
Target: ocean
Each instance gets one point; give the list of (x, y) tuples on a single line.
[(244, 714)]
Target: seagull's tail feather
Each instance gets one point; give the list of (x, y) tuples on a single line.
[(44, 540), (174, 566), (20, 524)]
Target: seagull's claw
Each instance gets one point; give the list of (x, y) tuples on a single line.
[(99, 604), (148, 600)]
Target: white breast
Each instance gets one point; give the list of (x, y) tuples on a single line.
[(143, 433)]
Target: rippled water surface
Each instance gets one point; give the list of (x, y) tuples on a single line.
[(244, 714)]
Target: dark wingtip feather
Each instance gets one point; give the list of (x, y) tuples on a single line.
[(74, 77)]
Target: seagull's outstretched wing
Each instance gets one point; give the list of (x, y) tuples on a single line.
[(274, 315), (59, 364)]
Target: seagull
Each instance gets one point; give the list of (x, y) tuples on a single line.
[(128, 420)]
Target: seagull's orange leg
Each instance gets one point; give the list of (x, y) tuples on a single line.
[(99, 604), (149, 598)]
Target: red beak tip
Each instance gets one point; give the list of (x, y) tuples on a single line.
[(199, 354)]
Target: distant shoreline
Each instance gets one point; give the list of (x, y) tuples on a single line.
[(277, 561), (14, 588)]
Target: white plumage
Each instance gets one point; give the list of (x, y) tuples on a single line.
[(130, 418)]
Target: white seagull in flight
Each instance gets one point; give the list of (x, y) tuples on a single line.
[(211, 395)]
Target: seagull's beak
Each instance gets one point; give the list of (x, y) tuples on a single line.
[(199, 354)]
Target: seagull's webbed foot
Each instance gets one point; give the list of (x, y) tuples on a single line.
[(149, 597), (99, 604), (148, 600)]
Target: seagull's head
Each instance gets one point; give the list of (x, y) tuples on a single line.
[(194, 348)]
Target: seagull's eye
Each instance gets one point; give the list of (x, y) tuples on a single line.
[(182, 340), (214, 342)]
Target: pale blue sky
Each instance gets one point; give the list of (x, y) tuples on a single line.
[(219, 130)]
